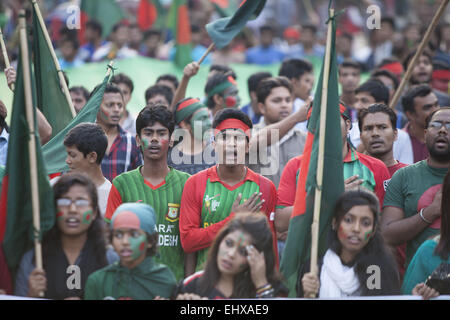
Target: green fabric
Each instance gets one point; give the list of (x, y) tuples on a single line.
[(19, 234), (144, 282), (178, 23), (132, 188), (223, 30), (405, 191), (298, 242), (2, 173), (225, 8), (357, 167), (106, 12), (54, 151), (182, 114), (219, 88), (217, 203), (422, 265), (50, 97)]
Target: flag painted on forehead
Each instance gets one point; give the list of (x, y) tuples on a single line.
[(223, 30), (51, 99), (16, 217), (178, 23), (298, 244), (54, 151), (106, 12), (150, 14)]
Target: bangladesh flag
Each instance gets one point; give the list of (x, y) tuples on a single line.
[(50, 96), (225, 7), (54, 151), (178, 23), (223, 30), (298, 244), (16, 217), (106, 12), (150, 14)]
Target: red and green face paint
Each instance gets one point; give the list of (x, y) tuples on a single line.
[(87, 217), (59, 216), (138, 246), (144, 144), (368, 235), (103, 114)]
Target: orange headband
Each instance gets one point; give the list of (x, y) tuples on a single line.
[(233, 124)]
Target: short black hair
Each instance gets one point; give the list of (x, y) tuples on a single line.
[(295, 68), (266, 85), (254, 79), (213, 81), (73, 41), (428, 119), (159, 89), (389, 20), (223, 69), (411, 54), (169, 77), (231, 113), (110, 88), (418, 91), (155, 113), (376, 89), (152, 32), (119, 25), (388, 74), (350, 64), (82, 90), (310, 27), (267, 28), (88, 137), (123, 78), (375, 108), (95, 25)]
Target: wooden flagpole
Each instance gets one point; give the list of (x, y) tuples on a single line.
[(320, 157), (32, 141), (5, 54), (418, 53), (55, 59), (211, 46)]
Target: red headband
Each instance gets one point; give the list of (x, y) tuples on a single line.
[(233, 124), (394, 67)]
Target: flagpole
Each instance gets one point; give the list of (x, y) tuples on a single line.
[(32, 141), (5, 54), (211, 46), (55, 59), (418, 53), (320, 157)]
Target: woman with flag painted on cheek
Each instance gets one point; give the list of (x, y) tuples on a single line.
[(192, 152), (137, 275), (73, 249), (357, 263)]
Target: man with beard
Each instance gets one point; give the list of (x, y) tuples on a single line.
[(412, 205)]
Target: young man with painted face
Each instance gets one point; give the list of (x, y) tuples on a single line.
[(156, 184), (418, 103), (275, 103), (359, 170), (213, 196), (128, 121), (222, 92), (194, 121), (122, 153), (412, 205)]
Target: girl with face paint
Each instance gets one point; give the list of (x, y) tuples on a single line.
[(76, 239), (137, 275), (192, 152), (241, 264), (356, 249)]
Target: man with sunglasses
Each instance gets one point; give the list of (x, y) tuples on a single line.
[(412, 205)]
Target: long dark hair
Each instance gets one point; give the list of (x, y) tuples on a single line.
[(257, 227), (52, 239), (374, 253), (443, 247)]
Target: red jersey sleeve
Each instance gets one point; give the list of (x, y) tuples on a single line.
[(382, 178), (193, 236), (288, 183), (114, 200)]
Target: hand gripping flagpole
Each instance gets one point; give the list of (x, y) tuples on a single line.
[(5, 54), (32, 141), (320, 157)]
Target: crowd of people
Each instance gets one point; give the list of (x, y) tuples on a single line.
[(192, 197)]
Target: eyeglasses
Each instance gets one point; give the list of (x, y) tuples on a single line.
[(66, 202), (438, 125)]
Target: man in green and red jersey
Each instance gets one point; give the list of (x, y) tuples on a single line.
[(213, 196), (359, 170), (156, 184), (412, 206)]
